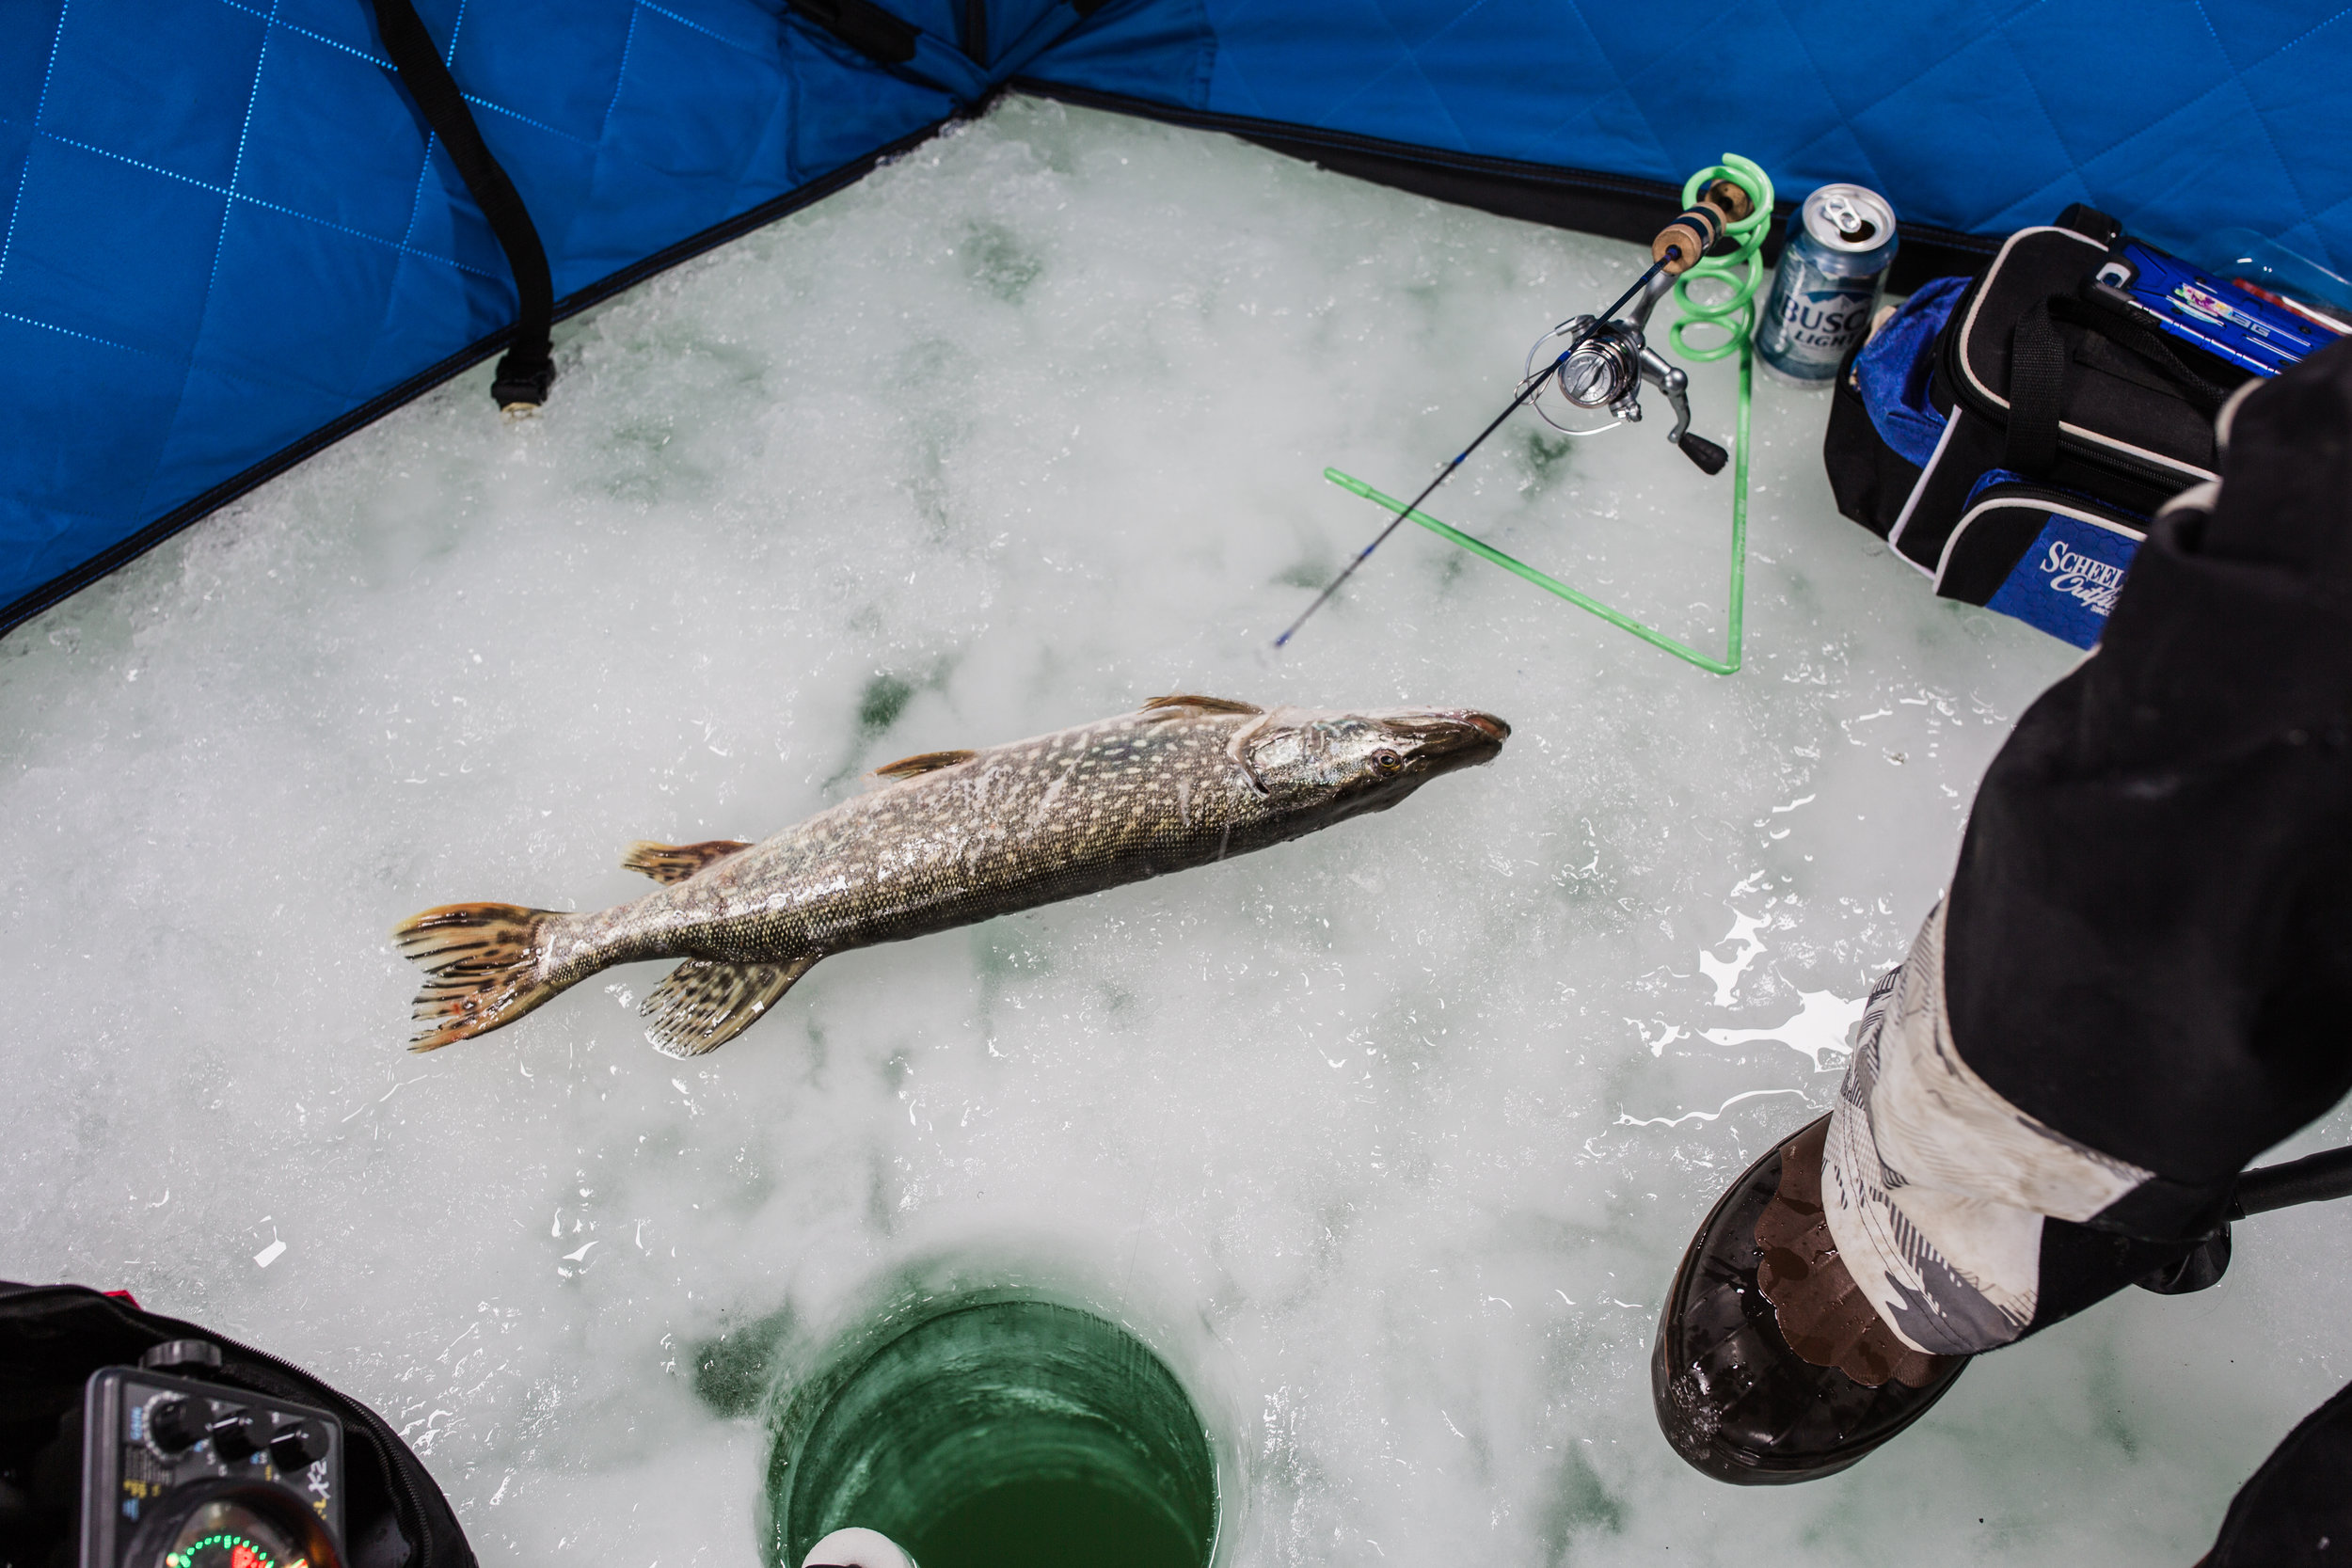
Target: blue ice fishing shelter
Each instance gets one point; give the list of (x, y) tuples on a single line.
[(239, 229)]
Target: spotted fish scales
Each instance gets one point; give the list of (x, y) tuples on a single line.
[(946, 839)]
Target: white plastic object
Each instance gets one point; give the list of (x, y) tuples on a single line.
[(857, 1547)]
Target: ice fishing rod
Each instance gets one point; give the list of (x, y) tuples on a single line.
[(1529, 391), (1608, 377)]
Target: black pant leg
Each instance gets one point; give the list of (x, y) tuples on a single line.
[(2149, 932)]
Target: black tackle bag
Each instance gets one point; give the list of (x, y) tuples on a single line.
[(54, 1337), (2012, 435)]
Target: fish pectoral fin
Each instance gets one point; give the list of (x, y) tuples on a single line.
[(703, 1004), (674, 862), (924, 762), (1207, 704)]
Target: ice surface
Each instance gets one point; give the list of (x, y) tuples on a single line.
[(1388, 1139)]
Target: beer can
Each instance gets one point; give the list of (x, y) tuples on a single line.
[(1828, 284)]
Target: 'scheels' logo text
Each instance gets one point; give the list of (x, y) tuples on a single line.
[(2081, 576)]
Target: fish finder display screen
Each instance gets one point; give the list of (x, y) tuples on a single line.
[(227, 1536)]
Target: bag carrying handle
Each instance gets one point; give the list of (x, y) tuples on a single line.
[(2037, 373)]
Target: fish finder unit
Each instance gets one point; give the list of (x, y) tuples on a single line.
[(178, 1472)]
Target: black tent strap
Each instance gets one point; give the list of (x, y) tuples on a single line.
[(864, 27), (896, 44), (528, 368)]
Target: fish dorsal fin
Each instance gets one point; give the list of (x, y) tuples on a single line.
[(921, 763), (674, 862), (1207, 704)]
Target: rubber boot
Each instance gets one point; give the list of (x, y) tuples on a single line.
[(1732, 1397)]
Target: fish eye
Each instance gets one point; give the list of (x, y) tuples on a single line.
[(1388, 761)]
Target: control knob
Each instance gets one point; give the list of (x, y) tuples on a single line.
[(239, 1435), (175, 1425), (297, 1446)]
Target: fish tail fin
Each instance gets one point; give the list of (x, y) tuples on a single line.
[(703, 1004), (482, 968)]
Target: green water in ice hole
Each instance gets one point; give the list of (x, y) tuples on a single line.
[(1009, 1434)]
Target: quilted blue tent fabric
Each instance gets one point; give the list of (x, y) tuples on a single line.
[(2179, 116), (230, 235)]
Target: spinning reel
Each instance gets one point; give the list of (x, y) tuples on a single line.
[(1597, 362), (1607, 362)]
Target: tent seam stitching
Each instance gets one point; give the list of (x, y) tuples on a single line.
[(235, 195), (220, 243), (620, 74), (57, 41), (2254, 109)]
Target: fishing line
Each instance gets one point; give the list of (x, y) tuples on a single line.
[(1529, 391)]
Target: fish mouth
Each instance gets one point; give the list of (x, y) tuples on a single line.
[(1494, 728), (1457, 738)]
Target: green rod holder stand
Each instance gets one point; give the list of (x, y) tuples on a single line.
[(1743, 270)]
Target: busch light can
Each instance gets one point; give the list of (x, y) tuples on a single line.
[(1828, 284)]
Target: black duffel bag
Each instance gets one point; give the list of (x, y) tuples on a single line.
[(2012, 435)]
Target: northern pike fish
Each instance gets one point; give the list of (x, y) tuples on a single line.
[(946, 839)]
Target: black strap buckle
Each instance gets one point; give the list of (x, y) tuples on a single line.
[(522, 379)]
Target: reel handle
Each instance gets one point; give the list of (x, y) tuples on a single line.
[(1705, 453)]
